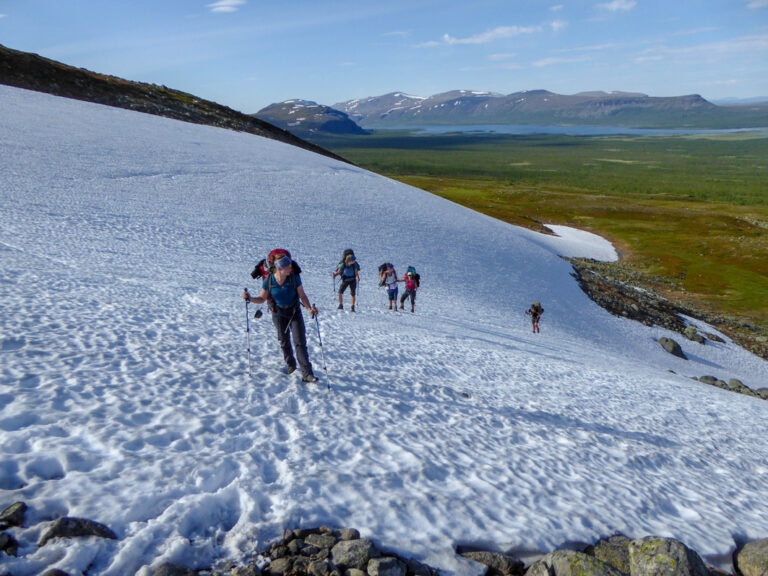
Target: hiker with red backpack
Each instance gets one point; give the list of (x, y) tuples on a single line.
[(349, 270), (412, 280), (283, 290)]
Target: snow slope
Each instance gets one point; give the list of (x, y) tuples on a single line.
[(125, 242)]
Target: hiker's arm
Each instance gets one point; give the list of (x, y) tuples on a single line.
[(260, 299), (305, 300)]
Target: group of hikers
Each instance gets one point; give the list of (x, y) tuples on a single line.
[(282, 291)]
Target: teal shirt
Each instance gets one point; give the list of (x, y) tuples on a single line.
[(286, 295)]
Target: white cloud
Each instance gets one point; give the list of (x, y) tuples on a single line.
[(558, 25), (486, 37), (746, 46), (2, 15), (595, 48), (226, 5), (757, 4), (619, 5), (400, 33), (556, 8), (500, 57), (554, 61)]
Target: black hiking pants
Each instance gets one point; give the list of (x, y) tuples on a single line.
[(408, 294), (290, 322)]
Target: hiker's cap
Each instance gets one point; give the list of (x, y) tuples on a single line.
[(282, 263), (350, 259), (390, 267)]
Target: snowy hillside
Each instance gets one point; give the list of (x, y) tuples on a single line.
[(125, 242)]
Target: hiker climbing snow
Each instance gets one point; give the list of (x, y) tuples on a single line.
[(388, 279), (412, 281), (283, 289), (535, 312), (349, 270)]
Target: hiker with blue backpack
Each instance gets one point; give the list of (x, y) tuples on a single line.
[(349, 271), (412, 280), (282, 287)]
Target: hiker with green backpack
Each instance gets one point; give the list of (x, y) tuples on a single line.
[(412, 281), (349, 270)]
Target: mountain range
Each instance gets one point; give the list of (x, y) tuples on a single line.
[(304, 118), (534, 107)]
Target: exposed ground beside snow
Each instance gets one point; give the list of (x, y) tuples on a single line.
[(125, 242)]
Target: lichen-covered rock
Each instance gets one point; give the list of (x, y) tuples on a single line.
[(763, 393), (752, 559), (664, 557), (279, 566), (571, 563), (13, 515), (76, 528), (353, 554), (498, 564), (171, 569), (319, 568), (321, 540), (387, 566), (692, 334), (349, 534), (250, 570), (672, 347), (613, 551)]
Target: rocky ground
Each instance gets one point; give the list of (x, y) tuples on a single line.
[(33, 72), (342, 552), (625, 292)]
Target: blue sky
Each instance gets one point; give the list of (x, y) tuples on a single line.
[(249, 53)]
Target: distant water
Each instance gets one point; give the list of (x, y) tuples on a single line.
[(569, 130)]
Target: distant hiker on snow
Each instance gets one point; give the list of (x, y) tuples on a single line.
[(349, 270), (282, 287), (412, 280), (535, 312), (388, 278)]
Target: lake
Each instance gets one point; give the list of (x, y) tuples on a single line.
[(569, 130)]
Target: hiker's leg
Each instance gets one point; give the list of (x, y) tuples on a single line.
[(299, 333), (283, 336)]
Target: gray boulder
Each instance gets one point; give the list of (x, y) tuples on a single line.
[(76, 528), (692, 334), (613, 551), (664, 557), (250, 570), (353, 554), (763, 393), (387, 566), (8, 544), (319, 568), (13, 515), (672, 347), (712, 381), (571, 563), (752, 559), (738, 386), (498, 564)]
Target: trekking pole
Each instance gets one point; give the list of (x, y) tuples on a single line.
[(322, 351), (248, 333)]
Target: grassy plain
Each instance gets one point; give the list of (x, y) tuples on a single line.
[(690, 213)]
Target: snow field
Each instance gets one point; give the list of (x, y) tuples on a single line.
[(125, 243)]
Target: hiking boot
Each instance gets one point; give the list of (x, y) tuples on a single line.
[(353, 308), (401, 307), (309, 378), (341, 307), (289, 369), (411, 310)]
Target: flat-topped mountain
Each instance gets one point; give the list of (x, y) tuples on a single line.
[(548, 108), (304, 118)]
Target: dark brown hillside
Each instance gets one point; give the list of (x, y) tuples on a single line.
[(33, 72)]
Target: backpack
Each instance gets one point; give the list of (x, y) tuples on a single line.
[(382, 269), (416, 277), (343, 262)]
